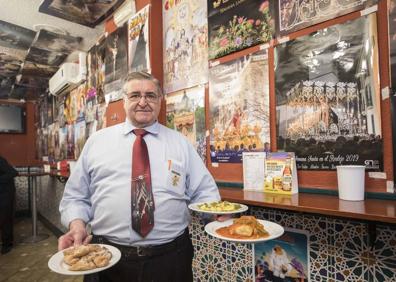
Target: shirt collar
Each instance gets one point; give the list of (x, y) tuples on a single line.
[(128, 127)]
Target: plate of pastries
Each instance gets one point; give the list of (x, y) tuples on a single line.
[(218, 207), (84, 259), (245, 229)]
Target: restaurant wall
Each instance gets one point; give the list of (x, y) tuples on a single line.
[(19, 149), (232, 173)]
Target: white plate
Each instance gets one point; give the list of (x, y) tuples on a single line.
[(195, 207), (274, 230), (57, 265)]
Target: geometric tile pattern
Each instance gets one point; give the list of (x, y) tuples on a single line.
[(339, 250)]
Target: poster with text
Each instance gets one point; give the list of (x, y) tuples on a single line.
[(235, 25), (328, 97), (138, 41), (239, 107), (185, 44), (185, 112), (293, 15), (283, 259)]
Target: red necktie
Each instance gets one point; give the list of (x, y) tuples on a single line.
[(142, 195)]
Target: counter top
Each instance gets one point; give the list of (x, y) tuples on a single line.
[(370, 209)]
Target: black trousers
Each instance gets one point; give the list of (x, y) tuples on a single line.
[(172, 265), (7, 207)]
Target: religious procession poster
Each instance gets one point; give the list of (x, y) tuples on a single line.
[(116, 55), (63, 143), (51, 142), (293, 15), (100, 58), (79, 137), (91, 70), (138, 41), (239, 107), (235, 25), (185, 44), (71, 106), (185, 112), (328, 97), (283, 259), (55, 133), (70, 141)]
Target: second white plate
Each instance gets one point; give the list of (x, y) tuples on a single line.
[(275, 230), (195, 207)]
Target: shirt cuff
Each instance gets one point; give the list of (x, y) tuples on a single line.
[(72, 214)]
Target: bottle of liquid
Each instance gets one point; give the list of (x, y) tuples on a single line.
[(287, 176)]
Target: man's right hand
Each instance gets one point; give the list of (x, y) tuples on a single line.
[(77, 235)]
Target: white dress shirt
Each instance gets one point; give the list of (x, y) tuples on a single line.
[(98, 190)]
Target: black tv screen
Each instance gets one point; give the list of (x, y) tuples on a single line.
[(12, 119)]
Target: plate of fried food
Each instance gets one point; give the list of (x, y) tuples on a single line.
[(219, 207), (246, 229), (84, 259)]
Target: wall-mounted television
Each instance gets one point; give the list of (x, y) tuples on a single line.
[(12, 118)]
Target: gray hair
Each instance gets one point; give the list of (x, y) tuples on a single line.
[(141, 75)]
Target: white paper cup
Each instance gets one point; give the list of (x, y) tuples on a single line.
[(351, 182)]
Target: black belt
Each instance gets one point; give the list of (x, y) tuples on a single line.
[(146, 251)]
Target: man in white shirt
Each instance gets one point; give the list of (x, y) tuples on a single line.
[(98, 192)]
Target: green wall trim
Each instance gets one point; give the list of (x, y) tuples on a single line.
[(369, 195)]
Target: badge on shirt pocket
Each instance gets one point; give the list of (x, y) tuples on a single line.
[(175, 175)]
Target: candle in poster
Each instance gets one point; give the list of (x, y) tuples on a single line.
[(238, 24), (239, 107), (328, 97), (185, 44), (185, 112)]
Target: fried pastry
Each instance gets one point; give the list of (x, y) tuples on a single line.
[(86, 257)]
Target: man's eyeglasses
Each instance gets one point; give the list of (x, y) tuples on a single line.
[(150, 97)]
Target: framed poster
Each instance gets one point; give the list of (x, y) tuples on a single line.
[(138, 41), (185, 44), (89, 13), (293, 15), (116, 55), (239, 107), (328, 97), (235, 25), (185, 112)]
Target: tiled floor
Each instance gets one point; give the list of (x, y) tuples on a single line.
[(28, 262)]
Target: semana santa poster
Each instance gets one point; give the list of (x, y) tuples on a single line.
[(283, 259), (185, 112), (294, 15), (328, 97), (63, 143), (235, 25), (185, 44), (79, 137), (239, 107), (138, 41), (116, 55), (100, 58)]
